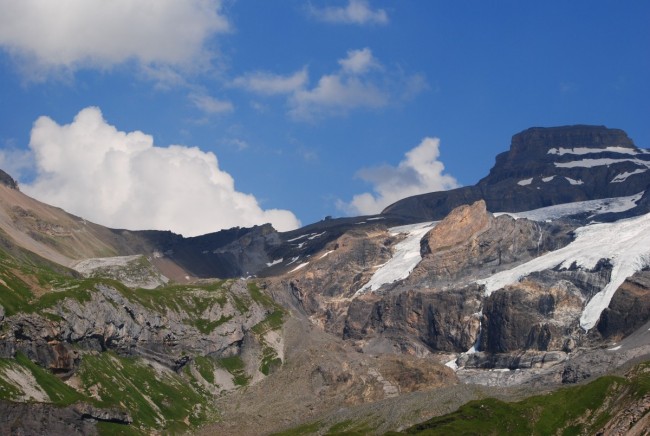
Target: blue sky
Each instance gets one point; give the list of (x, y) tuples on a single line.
[(288, 111)]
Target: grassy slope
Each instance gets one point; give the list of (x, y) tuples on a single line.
[(156, 399), (569, 411)]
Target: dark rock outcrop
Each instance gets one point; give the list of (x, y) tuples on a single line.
[(7, 180)]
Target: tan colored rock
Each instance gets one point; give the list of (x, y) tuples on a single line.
[(460, 227)]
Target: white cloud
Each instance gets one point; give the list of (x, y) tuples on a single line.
[(15, 161), (356, 12), (359, 61), (210, 105), (270, 84), (336, 94), (361, 82), (418, 173), (123, 180), (48, 36)]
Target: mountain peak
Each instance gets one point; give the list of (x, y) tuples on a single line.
[(538, 140)]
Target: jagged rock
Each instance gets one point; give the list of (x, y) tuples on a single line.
[(471, 242), (442, 321), (629, 308), (529, 316), (574, 374), (88, 411), (42, 419), (7, 180)]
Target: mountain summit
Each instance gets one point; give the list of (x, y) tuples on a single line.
[(544, 167)]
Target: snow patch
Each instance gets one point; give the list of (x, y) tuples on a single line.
[(626, 243), (302, 265), (590, 163), (574, 182), (325, 254), (406, 256), (293, 260), (275, 262), (547, 179), (314, 235), (618, 347), (376, 218), (596, 207), (623, 176), (297, 238), (587, 150), (525, 182)]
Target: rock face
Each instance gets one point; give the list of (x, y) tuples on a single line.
[(7, 180), (470, 242), (107, 320), (546, 166), (629, 308)]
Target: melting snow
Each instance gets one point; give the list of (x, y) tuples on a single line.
[(296, 238), (623, 177), (574, 182), (275, 262), (525, 182), (302, 265), (626, 243), (406, 256), (590, 163), (585, 150), (325, 254), (597, 207)]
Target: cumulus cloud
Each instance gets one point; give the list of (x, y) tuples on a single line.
[(356, 12), (122, 180), (267, 83), (359, 61), (419, 172), (72, 34)]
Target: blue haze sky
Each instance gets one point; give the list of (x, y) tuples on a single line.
[(205, 114)]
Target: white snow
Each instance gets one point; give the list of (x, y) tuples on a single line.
[(302, 265), (590, 163), (296, 238), (586, 150), (406, 256), (623, 176), (325, 254), (574, 182), (596, 207), (618, 347), (525, 182), (314, 235), (626, 243), (293, 260), (376, 218), (547, 179), (452, 364), (275, 262)]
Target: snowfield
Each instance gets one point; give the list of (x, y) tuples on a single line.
[(406, 256), (596, 207)]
